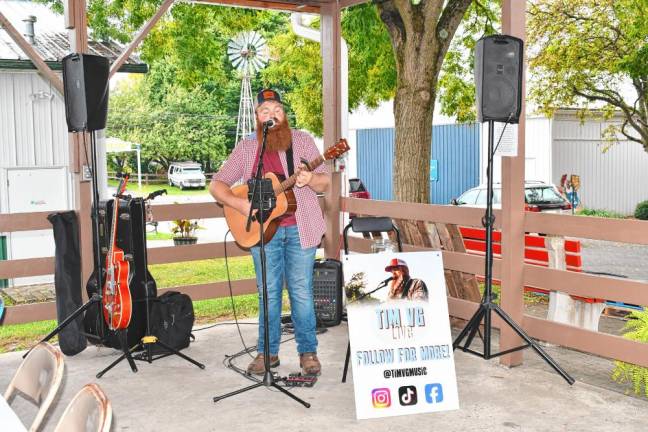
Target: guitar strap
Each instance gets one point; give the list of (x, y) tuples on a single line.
[(289, 160)]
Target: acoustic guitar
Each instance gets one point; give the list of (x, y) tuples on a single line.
[(116, 298), (286, 202)]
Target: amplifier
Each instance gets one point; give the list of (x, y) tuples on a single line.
[(327, 291)]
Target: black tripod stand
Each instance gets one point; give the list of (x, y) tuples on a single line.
[(486, 307), (148, 341), (263, 200)]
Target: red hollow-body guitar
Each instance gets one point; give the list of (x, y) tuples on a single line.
[(286, 202), (117, 303)]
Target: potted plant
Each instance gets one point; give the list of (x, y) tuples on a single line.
[(184, 232)]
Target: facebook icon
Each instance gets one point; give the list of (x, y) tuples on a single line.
[(433, 393)]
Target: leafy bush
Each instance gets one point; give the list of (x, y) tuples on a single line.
[(599, 213), (627, 373), (641, 212)]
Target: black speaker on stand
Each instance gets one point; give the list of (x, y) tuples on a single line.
[(85, 84), (498, 79), (85, 90), (85, 87)]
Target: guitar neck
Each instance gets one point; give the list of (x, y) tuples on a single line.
[(290, 181), (113, 233)]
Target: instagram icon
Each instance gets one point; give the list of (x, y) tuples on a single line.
[(381, 398)]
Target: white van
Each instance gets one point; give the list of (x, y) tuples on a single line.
[(186, 174)]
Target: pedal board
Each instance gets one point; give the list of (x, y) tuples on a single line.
[(299, 380)]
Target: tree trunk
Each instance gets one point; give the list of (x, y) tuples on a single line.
[(413, 119)]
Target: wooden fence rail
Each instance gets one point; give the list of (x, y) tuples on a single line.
[(579, 284)]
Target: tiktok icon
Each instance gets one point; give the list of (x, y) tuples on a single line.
[(407, 395)]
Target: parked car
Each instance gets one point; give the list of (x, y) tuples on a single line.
[(538, 197), (186, 174), (357, 190)]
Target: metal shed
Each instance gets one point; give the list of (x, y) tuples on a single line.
[(454, 165)]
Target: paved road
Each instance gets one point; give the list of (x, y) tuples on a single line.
[(623, 259)]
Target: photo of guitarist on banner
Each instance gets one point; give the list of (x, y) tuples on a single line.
[(403, 286)]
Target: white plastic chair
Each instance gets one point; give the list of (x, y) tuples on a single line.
[(38, 378), (89, 411)]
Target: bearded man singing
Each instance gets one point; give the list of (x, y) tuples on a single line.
[(290, 255)]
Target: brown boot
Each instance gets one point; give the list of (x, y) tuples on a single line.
[(310, 364), (257, 366)]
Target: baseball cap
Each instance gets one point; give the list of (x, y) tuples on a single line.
[(267, 95), (394, 263)]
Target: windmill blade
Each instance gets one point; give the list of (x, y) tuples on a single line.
[(254, 38), (256, 65), (248, 52)]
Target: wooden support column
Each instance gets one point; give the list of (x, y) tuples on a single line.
[(331, 97), (512, 301), (78, 37)]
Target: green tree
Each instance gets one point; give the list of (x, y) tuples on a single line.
[(584, 51), (420, 33), (184, 124), (376, 74)]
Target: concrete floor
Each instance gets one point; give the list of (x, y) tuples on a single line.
[(172, 395)]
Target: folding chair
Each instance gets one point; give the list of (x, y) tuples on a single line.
[(370, 224), (38, 378), (89, 411), (366, 224)]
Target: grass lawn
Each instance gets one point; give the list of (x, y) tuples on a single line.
[(21, 336), (530, 298), (147, 189), (158, 236)]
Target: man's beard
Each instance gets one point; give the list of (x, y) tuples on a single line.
[(279, 137)]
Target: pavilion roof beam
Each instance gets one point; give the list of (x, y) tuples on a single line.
[(144, 31), (33, 55), (348, 3), (262, 5)]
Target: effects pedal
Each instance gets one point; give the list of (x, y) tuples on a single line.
[(299, 380)]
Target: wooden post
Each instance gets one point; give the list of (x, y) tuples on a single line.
[(78, 37), (331, 95), (513, 23)]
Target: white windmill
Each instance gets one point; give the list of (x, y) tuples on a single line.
[(248, 53)]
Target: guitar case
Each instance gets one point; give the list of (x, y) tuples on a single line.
[(131, 229)]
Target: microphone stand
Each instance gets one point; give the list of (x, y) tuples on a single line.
[(348, 352), (263, 200)]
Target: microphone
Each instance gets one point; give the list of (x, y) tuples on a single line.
[(270, 123), (387, 280)]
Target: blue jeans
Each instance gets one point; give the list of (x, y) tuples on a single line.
[(287, 261)]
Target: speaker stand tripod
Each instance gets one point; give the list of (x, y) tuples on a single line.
[(263, 200), (487, 306), (96, 298)]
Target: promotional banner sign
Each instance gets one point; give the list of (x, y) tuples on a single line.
[(401, 346)]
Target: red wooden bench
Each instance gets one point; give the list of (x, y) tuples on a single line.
[(536, 252)]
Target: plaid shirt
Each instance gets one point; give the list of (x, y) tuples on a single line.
[(241, 164)]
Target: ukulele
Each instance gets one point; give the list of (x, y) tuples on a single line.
[(116, 298), (286, 202)]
